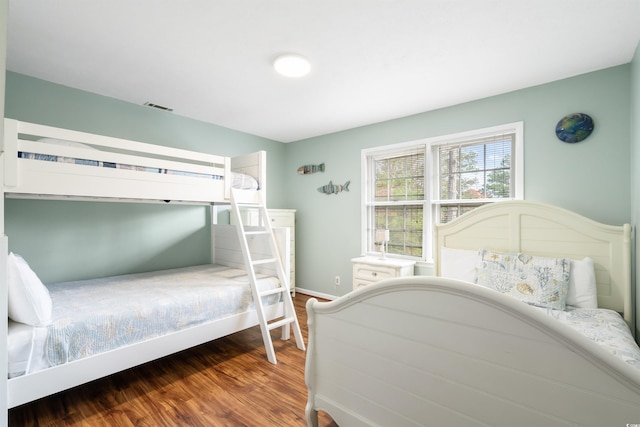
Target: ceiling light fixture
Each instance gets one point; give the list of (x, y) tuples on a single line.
[(292, 65)]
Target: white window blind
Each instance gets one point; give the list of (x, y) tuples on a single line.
[(398, 201), (409, 186), (471, 172)]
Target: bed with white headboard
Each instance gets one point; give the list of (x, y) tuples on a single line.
[(464, 350), (45, 162)]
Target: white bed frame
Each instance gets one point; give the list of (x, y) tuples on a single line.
[(42, 179), (435, 351)]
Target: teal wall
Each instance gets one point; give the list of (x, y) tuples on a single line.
[(635, 173), (65, 240), (591, 177)]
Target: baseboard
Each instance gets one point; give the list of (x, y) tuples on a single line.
[(315, 294)]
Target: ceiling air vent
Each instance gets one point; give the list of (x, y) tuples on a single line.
[(159, 107)]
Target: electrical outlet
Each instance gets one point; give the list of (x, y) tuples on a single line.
[(337, 281)]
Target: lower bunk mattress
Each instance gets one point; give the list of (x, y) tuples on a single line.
[(94, 316)]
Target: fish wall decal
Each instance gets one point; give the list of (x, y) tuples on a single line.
[(332, 188), (306, 169)]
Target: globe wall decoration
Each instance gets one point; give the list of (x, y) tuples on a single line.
[(574, 127)]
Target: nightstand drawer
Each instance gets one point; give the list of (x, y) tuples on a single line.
[(368, 270), (281, 220), (359, 283), (373, 272)]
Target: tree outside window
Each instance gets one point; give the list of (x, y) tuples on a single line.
[(410, 186)]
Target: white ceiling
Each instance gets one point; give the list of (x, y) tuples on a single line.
[(373, 60)]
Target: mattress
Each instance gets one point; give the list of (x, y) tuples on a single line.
[(98, 315)]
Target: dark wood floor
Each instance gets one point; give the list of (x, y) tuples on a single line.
[(227, 382)]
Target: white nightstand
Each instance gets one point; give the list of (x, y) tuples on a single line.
[(371, 269)]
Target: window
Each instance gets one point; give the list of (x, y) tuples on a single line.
[(408, 187), (398, 200)]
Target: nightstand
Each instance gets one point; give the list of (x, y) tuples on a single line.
[(371, 269)]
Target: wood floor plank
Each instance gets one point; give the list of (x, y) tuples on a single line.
[(227, 382)]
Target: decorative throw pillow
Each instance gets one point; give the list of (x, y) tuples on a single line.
[(538, 281), (29, 299)]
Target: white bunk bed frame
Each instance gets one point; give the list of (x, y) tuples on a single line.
[(50, 180), (435, 351)]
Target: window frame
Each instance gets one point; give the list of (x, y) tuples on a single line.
[(431, 205)]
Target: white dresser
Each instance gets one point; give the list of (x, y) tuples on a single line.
[(287, 218), (371, 269), (279, 218)]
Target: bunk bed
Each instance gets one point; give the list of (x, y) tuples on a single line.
[(451, 349), (51, 163)]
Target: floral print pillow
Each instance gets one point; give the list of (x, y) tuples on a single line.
[(538, 281)]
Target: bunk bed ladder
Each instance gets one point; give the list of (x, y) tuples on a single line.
[(264, 230)]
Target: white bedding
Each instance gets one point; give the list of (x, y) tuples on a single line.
[(19, 346), (602, 326), (98, 315)]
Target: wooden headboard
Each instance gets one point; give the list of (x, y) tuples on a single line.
[(544, 230)]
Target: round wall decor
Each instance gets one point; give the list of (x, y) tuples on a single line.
[(574, 127)]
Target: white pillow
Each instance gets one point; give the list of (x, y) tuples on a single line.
[(29, 299), (244, 181), (458, 264), (582, 291)]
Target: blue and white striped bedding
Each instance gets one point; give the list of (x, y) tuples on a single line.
[(238, 180), (98, 315), (86, 162)]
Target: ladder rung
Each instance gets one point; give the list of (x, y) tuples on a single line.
[(256, 232), (281, 322), (249, 205), (265, 261), (273, 291)]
